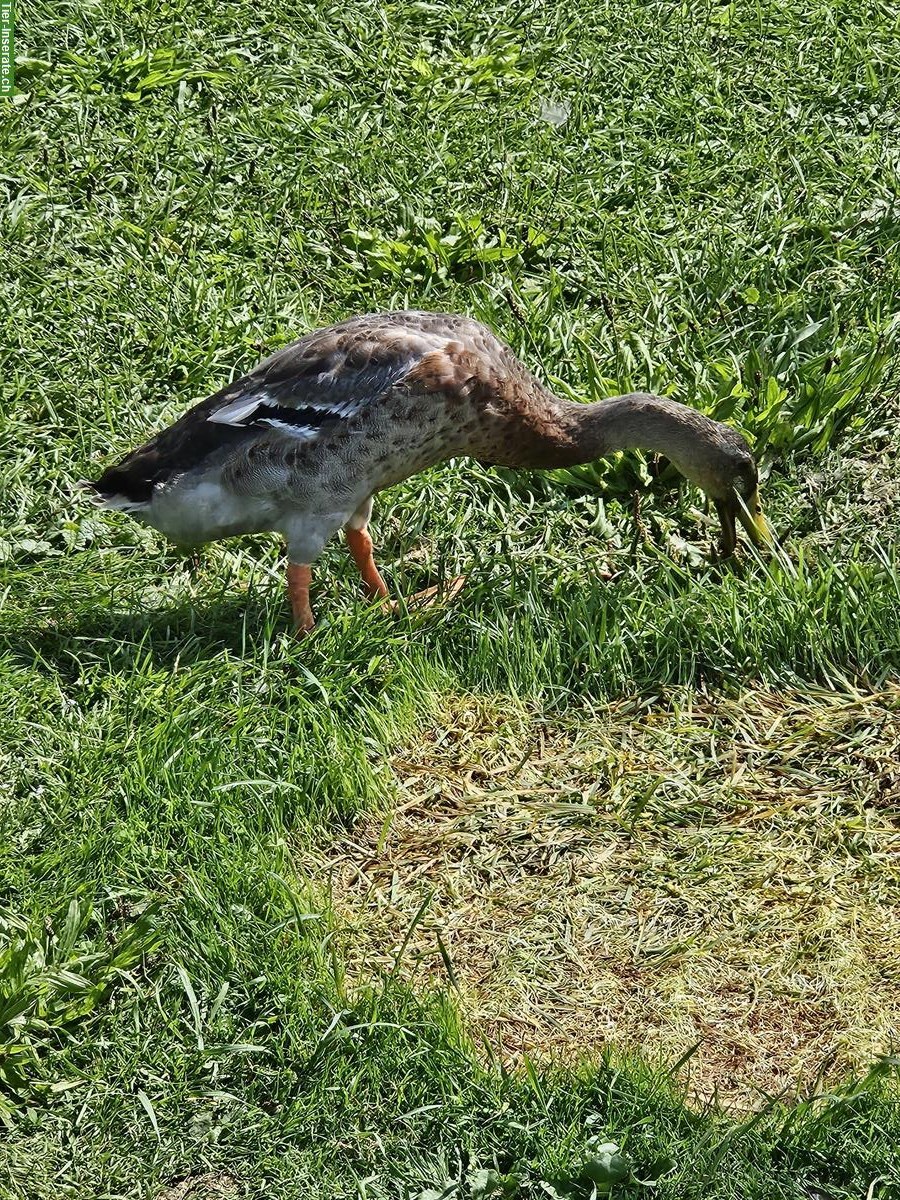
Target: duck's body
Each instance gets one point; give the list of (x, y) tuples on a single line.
[(302, 443)]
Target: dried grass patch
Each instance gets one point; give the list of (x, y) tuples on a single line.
[(717, 872), (214, 1185)]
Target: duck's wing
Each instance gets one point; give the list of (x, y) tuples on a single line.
[(331, 375), (309, 388), (305, 392)]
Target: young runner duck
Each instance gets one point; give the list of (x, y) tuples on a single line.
[(302, 443)]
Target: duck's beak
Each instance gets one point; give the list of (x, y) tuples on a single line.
[(750, 515)]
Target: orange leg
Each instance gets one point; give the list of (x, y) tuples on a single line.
[(360, 546), (299, 577)]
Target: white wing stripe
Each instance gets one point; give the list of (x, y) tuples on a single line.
[(303, 432), (236, 412)]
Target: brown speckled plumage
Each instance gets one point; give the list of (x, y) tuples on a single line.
[(302, 443)]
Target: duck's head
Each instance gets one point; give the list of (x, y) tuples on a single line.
[(735, 493), (713, 456)]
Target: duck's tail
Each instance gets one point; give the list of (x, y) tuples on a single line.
[(102, 496)]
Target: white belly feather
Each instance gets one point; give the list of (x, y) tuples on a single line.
[(192, 511)]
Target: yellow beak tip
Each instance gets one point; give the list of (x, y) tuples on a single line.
[(763, 530), (755, 523)]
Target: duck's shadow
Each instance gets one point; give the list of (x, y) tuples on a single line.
[(248, 625), (181, 634), (255, 626)]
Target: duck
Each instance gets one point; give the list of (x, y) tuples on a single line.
[(301, 444)]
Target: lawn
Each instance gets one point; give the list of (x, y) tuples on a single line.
[(608, 847)]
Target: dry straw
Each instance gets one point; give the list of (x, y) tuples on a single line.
[(721, 873)]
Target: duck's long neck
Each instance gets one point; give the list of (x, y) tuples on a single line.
[(636, 421)]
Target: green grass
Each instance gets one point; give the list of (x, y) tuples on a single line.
[(697, 198)]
